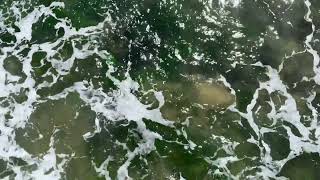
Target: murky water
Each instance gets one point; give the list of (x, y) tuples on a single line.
[(168, 89)]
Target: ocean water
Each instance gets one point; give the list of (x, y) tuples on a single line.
[(159, 89)]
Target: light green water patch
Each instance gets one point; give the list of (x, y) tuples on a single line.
[(13, 66), (65, 120), (68, 114)]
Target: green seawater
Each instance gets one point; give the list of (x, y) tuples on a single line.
[(155, 90)]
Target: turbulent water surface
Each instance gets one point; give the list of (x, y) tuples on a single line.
[(159, 89)]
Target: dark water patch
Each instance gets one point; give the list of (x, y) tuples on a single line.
[(6, 38), (44, 30), (179, 160), (305, 166), (247, 149), (279, 145), (227, 126), (297, 67)]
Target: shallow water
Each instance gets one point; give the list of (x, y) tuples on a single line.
[(170, 89)]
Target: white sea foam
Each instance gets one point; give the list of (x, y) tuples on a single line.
[(123, 104), (309, 39)]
